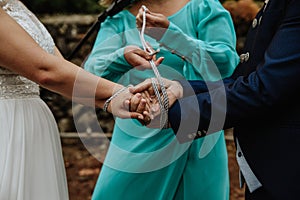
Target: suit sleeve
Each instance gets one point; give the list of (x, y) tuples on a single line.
[(275, 83)]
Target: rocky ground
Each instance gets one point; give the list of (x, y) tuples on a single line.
[(83, 168)]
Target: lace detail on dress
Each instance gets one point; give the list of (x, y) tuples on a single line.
[(30, 23), (11, 84)]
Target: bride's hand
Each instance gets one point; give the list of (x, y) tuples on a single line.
[(119, 105), (142, 104), (149, 107)]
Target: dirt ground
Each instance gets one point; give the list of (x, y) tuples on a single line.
[(82, 168)]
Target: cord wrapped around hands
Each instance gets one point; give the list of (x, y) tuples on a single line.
[(163, 98)]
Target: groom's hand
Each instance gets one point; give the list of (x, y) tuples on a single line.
[(152, 113), (173, 88)]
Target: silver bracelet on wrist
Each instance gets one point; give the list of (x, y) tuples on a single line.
[(105, 106)]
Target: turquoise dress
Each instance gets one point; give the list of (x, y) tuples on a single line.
[(144, 163)]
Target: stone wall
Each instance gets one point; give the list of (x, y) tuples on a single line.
[(68, 30)]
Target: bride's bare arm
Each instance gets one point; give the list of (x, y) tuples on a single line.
[(22, 55)]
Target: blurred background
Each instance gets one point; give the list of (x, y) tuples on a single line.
[(68, 21), (63, 6)]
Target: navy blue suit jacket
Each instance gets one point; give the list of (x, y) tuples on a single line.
[(261, 100)]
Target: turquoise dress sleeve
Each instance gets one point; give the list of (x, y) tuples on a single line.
[(211, 54), (107, 57)]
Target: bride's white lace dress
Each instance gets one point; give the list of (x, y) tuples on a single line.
[(31, 162)]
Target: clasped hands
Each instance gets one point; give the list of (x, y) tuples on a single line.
[(140, 102), (144, 100)]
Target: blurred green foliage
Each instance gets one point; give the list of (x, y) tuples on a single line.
[(63, 6)]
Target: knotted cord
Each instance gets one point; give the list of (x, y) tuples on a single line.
[(163, 99)]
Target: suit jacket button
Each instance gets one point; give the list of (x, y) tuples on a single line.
[(244, 57), (190, 136), (240, 154), (259, 21), (254, 23), (247, 56), (199, 133)]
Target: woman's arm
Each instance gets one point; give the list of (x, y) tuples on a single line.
[(110, 58), (211, 53), (22, 55)]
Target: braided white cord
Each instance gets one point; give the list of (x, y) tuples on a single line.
[(164, 112), (163, 103)]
